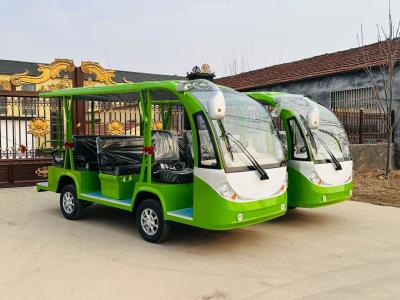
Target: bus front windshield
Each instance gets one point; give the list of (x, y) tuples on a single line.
[(329, 141), (246, 133), (330, 136)]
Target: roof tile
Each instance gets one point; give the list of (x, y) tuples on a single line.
[(318, 66)]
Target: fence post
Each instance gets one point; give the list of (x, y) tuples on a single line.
[(360, 126), (79, 117)]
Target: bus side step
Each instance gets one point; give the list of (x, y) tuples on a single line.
[(185, 213), (97, 195)]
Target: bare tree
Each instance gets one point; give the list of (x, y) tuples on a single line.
[(381, 70), (236, 63)]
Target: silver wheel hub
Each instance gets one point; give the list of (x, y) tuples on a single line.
[(149, 221), (68, 202)]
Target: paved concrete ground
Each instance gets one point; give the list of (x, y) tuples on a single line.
[(346, 251)]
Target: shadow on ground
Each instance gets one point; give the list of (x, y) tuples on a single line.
[(194, 239)]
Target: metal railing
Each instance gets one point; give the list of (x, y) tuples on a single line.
[(31, 125), (21, 129), (364, 126)]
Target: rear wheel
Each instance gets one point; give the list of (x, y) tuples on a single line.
[(150, 221), (71, 207)]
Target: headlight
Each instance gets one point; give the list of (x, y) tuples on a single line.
[(315, 178), (283, 187), (227, 192)]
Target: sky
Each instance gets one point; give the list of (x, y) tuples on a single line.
[(172, 36)]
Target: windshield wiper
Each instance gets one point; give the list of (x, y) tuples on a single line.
[(333, 136), (256, 165), (312, 140), (337, 164), (225, 136), (312, 135)]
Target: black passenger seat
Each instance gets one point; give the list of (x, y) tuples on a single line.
[(85, 153), (120, 155), (168, 166)]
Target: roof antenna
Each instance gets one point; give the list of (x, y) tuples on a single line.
[(108, 59)]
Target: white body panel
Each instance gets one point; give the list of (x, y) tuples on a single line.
[(325, 171), (247, 184)]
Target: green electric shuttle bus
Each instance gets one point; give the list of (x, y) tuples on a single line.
[(224, 170), (318, 153)]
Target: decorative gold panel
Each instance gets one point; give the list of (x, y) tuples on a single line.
[(5, 85), (102, 75), (157, 126), (50, 71), (62, 84), (88, 82), (38, 127), (115, 128), (42, 172)]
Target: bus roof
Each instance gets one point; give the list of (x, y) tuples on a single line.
[(268, 97), (169, 85)]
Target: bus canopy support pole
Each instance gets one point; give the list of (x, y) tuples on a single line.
[(71, 157), (92, 117), (141, 114), (142, 117), (60, 136), (166, 115), (148, 143), (65, 137), (69, 112)]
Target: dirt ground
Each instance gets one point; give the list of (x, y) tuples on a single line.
[(373, 187)]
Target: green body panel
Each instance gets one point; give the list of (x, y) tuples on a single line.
[(212, 211), (303, 193), (118, 187), (172, 196), (85, 181)]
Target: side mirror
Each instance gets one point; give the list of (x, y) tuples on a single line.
[(216, 105), (313, 119)]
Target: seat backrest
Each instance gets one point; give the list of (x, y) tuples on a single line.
[(85, 150), (166, 147), (186, 148), (120, 150)]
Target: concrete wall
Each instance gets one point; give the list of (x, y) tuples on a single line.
[(319, 89), (371, 156)]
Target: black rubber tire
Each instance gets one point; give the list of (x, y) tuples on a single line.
[(292, 207), (78, 206), (163, 230)]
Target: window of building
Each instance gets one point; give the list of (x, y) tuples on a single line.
[(28, 87), (354, 99), (3, 105)]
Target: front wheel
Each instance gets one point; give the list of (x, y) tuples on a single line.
[(150, 221), (71, 207)]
